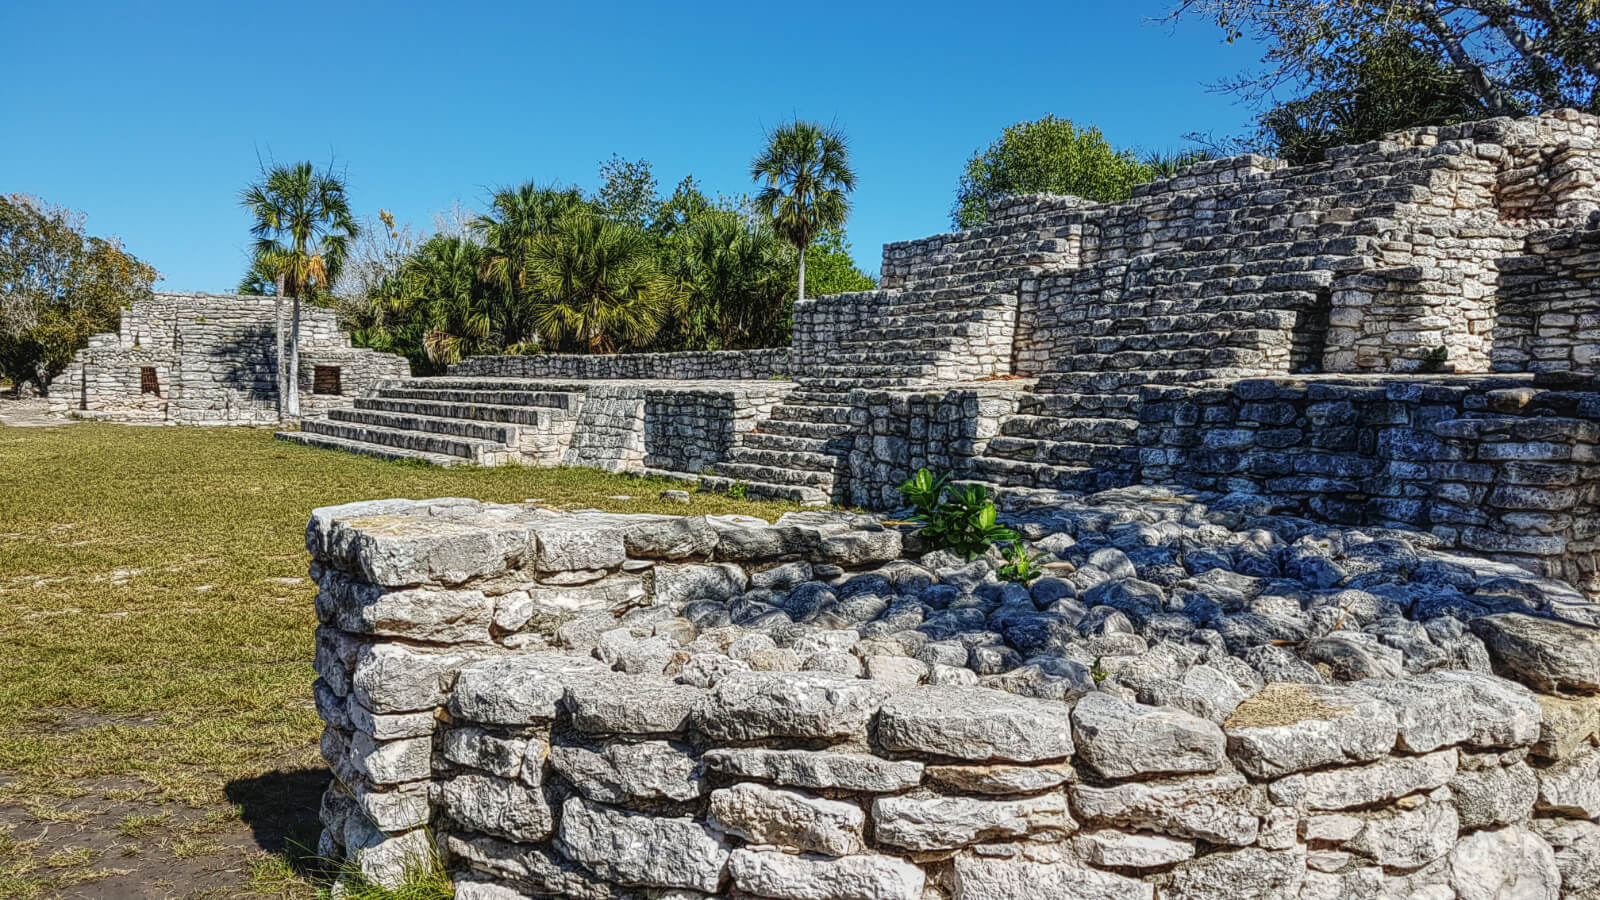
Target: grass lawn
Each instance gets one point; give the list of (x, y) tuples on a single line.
[(156, 620)]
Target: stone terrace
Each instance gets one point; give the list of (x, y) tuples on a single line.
[(1383, 323)]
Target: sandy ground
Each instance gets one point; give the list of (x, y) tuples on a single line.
[(29, 414)]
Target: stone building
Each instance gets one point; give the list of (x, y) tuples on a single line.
[(208, 359), (1407, 333)]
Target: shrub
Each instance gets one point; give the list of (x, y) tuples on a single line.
[(961, 518), (1021, 566)]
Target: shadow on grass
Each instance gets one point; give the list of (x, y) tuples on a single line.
[(281, 809)]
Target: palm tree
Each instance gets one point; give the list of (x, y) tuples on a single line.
[(303, 228), (806, 177), (733, 272), (597, 283), (445, 277)]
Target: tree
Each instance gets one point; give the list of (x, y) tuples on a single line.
[(628, 191), (597, 284), (1049, 155), (1349, 67), (833, 270), (806, 182), (303, 228), (58, 286), (732, 277)]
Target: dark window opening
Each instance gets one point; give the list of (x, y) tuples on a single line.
[(147, 381), (1310, 338), (325, 380)]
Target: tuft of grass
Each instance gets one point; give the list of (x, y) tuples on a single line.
[(425, 880), (137, 825), (194, 675)]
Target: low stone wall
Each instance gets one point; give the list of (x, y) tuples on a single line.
[(1497, 467), (715, 365), (605, 706), (1548, 317), (898, 432), (682, 428)]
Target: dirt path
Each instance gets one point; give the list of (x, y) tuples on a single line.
[(29, 414)]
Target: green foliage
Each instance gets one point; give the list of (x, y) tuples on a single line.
[(830, 270), (58, 286), (1435, 360), (806, 180), (1049, 155), (596, 284), (425, 879), (1020, 565), (303, 227), (627, 191), (961, 518), (1336, 71), (737, 490)]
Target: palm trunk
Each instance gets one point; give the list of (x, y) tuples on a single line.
[(802, 273), (294, 362), (277, 328)]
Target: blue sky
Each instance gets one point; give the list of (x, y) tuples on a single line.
[(149, 117)]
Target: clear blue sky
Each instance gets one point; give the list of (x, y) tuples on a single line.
[(149, 117)]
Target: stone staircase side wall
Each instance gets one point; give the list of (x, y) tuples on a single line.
[(899, 432), (1549, 306), (685, 429), (1496, 468)]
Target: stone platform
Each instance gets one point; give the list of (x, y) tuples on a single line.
[(1195, 702)]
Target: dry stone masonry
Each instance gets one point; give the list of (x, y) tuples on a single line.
[(208, 359), (1195, 702), (1405, 334)]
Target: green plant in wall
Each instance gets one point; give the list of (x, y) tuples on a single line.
[(736, 491), (1021, 566), (961, 518)]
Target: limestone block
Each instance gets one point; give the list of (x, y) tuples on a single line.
[(1547, 654), (1251, 873), (1222, 809), (1510, 863), (1571, 787), (816, 769), (497, 806), (747, 706), (1293, 727), (1113, 848), (622, 773), (1000, 778), (977, 877), (1125, 740), (788, 819), (526, 867), (642, 850), (783, 876), (926, 823), (631, 705), (1387, 779), (1494, 795), (518, 690), (1407, 836), (978, 724)]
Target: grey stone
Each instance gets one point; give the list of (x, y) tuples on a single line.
[(526, 867), (1114, 849), (1124, 740), (1508, 863), (924, 823), (1494, 795), (1001, 779), (390, 762), (1499, 713), (1387, 779), (782, 876), (1549, 655), (396, 678), (788, 819), (669, 537), (517, 690), (1222, 809), (1568, 724), (896, 671), (641, 850), (497, 806), (1409, 836), (480, 749), (746, 706), (1429, 716), (1292, 727), (1571, 786), (816, 769), (977, 877), (1577, 850), (620, 773), (631, 705), (1248, 874), (680, 585), (975, 724)]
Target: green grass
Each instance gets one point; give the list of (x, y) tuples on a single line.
[(158, 620)]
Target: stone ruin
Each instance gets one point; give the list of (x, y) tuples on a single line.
[(209, 359), (1195, 703), (1407, 334)]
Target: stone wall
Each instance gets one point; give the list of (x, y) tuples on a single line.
[(1492, 466), (1548, 318), (710, 365), (678, 428), (606, 706), (213, 356), (899, 432)]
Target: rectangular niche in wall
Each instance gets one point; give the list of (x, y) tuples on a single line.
[(1310, 336), (325, 380), (148, 383)]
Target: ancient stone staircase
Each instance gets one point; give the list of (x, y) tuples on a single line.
[(448, 421)]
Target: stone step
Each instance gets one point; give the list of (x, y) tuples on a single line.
[(486, 397), (797, 428), (803, 397), (755, 472), (831, 415), (795, 460), (382, 451), (1072, 405), (482, 452), (488, 412), (1061, 453), (805, 495), (1093, 430), (1018, 473), (1245, 338), (1145, 361), (466, 428), (766, 440)]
